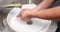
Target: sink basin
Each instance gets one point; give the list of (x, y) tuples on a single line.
[(39, 25)]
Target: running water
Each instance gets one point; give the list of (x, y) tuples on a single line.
[(30, 1)]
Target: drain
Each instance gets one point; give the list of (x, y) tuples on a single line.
[(30, 22)]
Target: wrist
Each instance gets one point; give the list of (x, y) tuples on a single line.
[(33, 13)]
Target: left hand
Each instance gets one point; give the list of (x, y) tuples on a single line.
[(25, 14)]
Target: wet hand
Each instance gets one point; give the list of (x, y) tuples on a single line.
[(25, 14)]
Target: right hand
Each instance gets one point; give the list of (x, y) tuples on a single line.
[(26, 14)]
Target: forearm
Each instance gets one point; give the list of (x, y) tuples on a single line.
[(44, 4), (52, 13)]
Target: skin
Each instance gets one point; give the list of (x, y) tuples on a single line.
[(44, 4), (50, 14), (41, 12)]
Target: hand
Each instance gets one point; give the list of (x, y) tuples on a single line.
[(26, 14)]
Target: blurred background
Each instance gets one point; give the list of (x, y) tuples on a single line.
[(7, 5)]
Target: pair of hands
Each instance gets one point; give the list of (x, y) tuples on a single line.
[(26, 14)]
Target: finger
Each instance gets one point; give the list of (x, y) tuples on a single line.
[(20, 14), (25, 9), (26, 19)]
